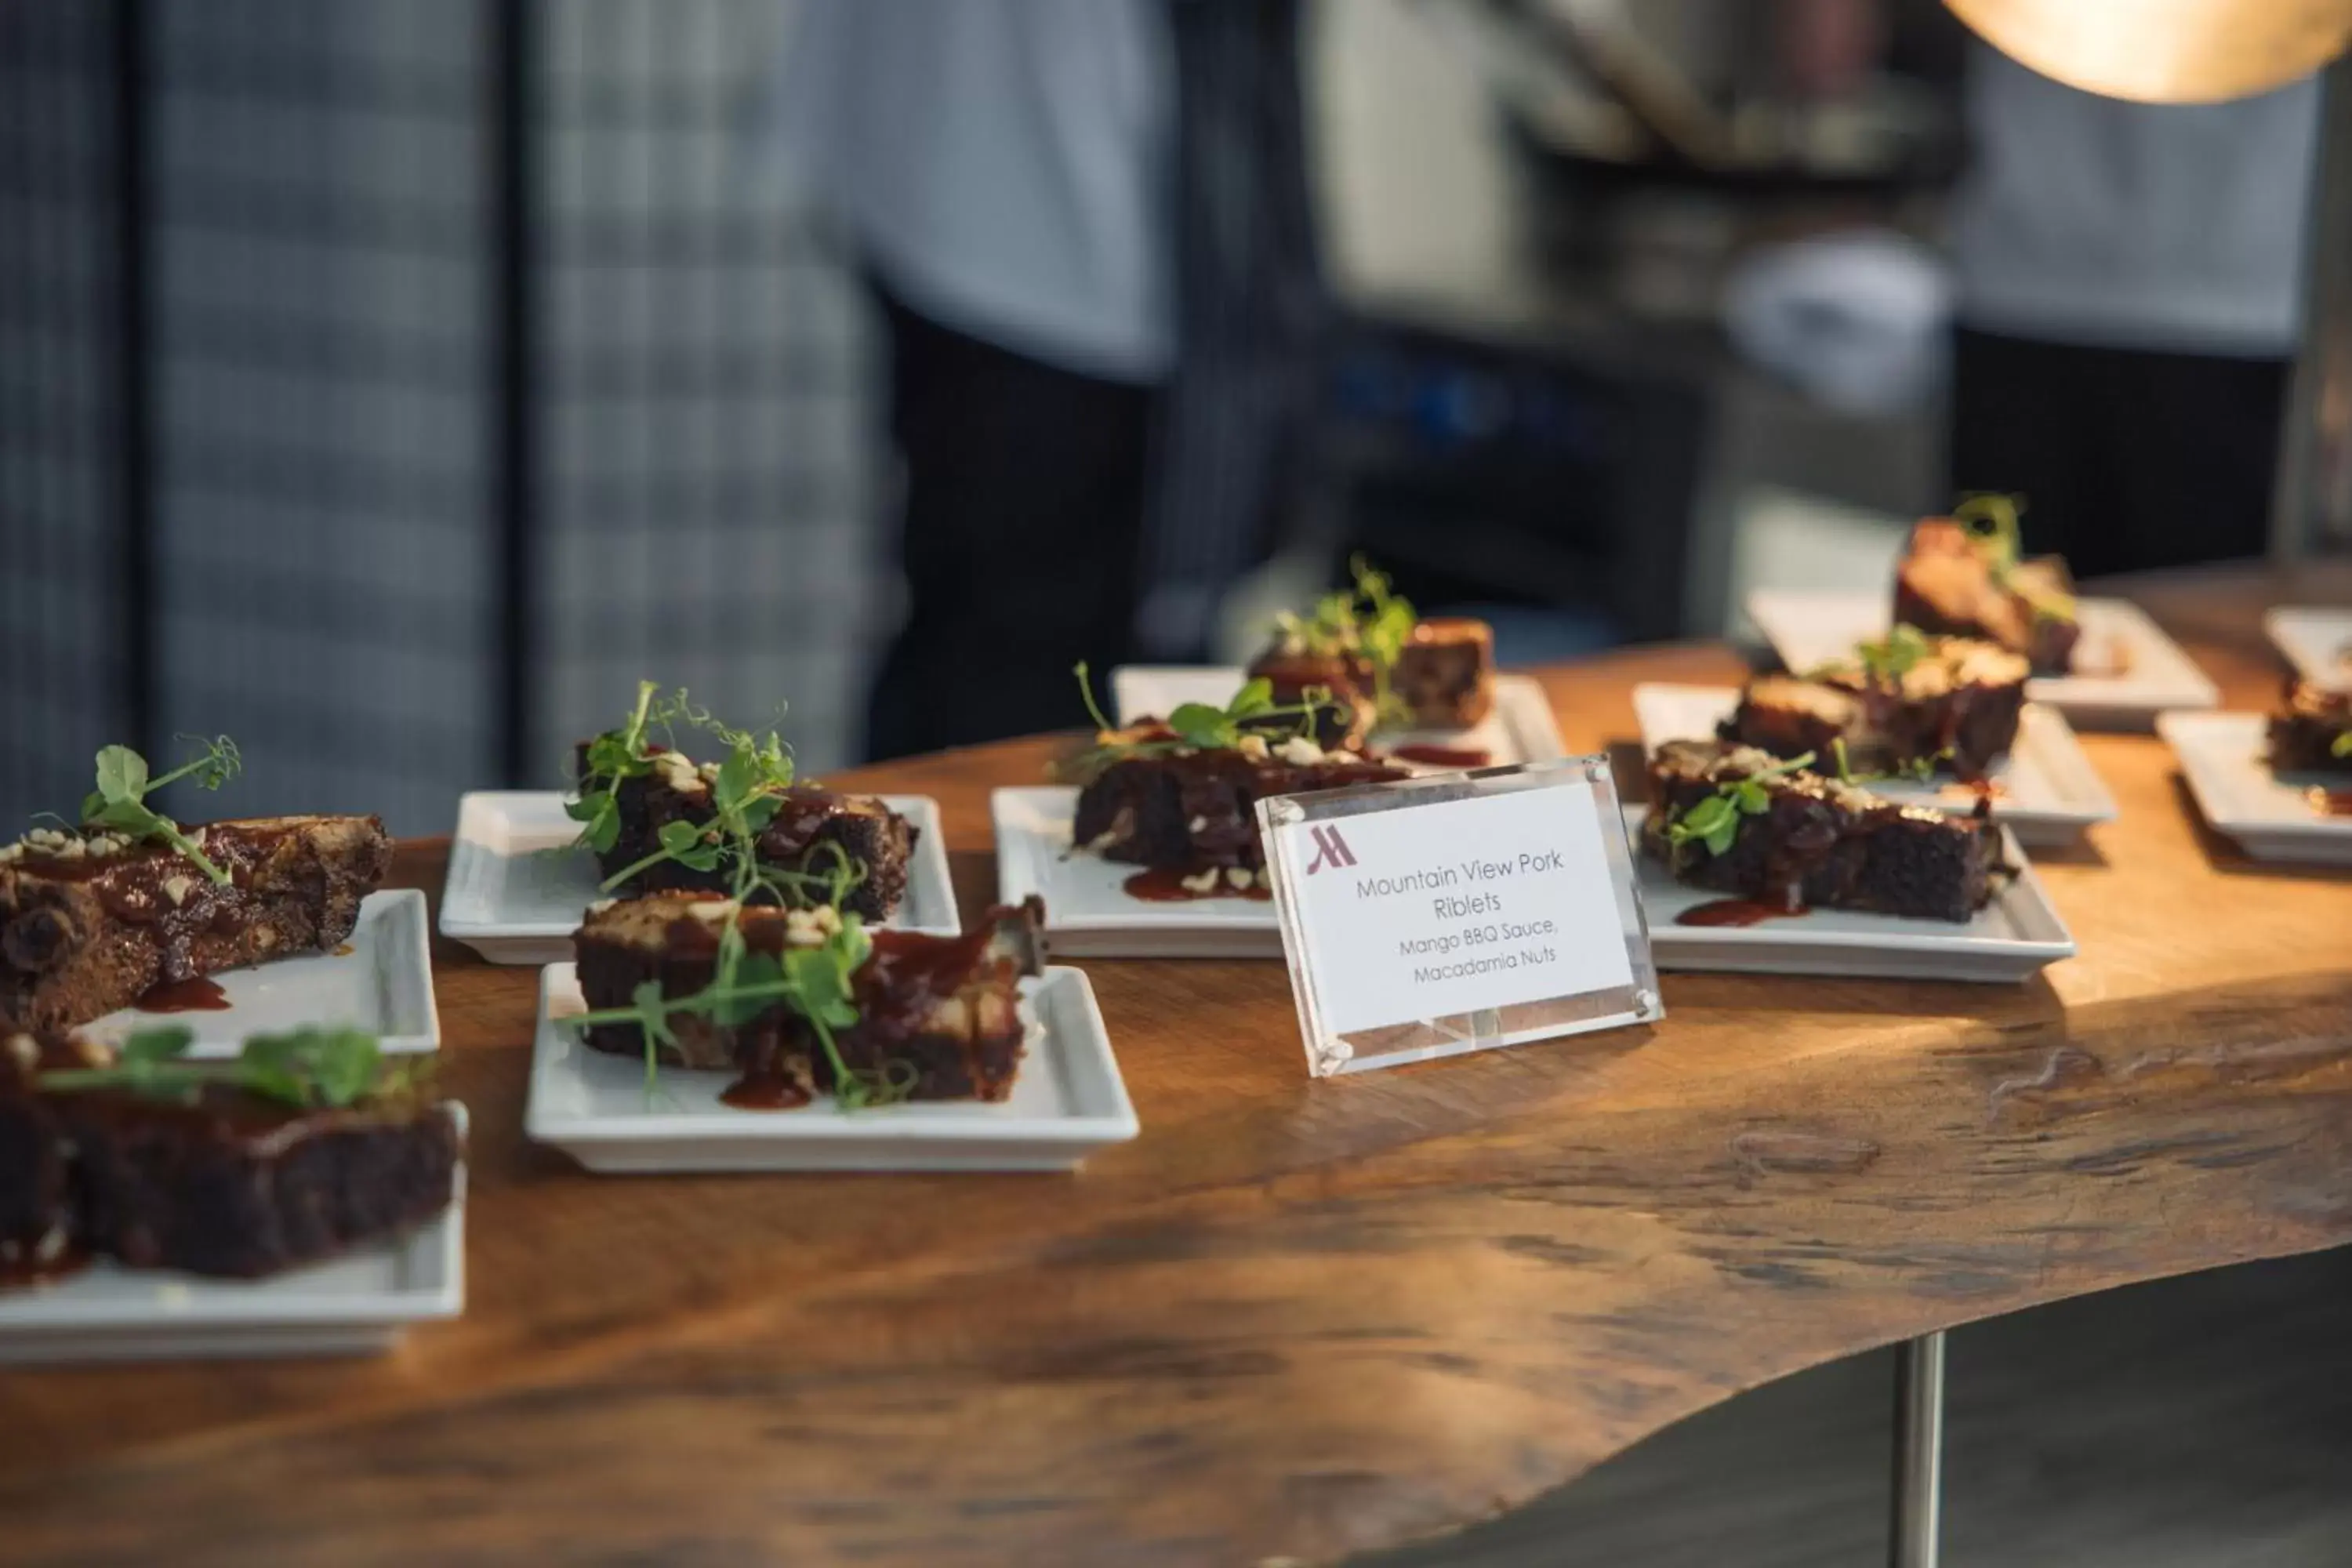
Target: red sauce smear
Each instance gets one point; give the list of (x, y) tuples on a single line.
[(1165, 885), (2330, 801), (17, 1273), (764, 1094), (197, 994), (1737, 913), (1443, 756)]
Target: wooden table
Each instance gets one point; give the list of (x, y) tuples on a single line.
[(1293, 1319)]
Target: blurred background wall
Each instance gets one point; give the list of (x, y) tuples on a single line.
[(319, 213), (390, 385)]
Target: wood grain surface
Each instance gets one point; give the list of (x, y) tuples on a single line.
[(1293, 1319)]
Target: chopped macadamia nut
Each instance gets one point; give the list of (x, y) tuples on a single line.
[(1300, 751), (1252, 747), (680, 774), (1200, 883)]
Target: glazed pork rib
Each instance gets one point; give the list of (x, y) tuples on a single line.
[(89, 923), (2309, 726), (1958, 705), (947, 1007), (1945, 585), (812, 815), (1445, 673), (1194, 808), (1821, 842), (1444, 677), (230, 1184)]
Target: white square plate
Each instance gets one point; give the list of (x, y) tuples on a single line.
[(2317, 642), (2222, 755), (350, 1305), (1521, 728), (1089, 913), (515, 897), (2011, 939), (2045, 791), (1809, 627), (383, 984), (1068, 1101)]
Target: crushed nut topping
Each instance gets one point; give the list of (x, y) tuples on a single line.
[(1300, 751)]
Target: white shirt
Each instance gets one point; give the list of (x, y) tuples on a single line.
[(1002, 164), (2167, 226)]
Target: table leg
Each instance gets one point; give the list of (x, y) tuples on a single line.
[(1916, 1526)]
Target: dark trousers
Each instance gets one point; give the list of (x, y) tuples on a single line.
[(1020, 530), (2126, 459)]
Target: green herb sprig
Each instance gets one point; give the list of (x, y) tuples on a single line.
[(1896, 654), (629, 753), (119, 803), (747, 792), (1917, 770), (1714, 821), (816, 982), (311, 1069), (2341, 747), (1990, 519), (1200, 726), (1369, 618)]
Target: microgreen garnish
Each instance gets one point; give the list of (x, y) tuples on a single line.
[(1086, 694), (309, 1068), (1199, 726), (1990, 520), (1714, 821), (815, 981), (1207, 726), (630, 753), (2341, 747), (1894, 656), (119, 803), (1919, 770), (1367, 619), (746, 790)]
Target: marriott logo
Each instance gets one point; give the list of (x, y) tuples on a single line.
[(1331, 849)]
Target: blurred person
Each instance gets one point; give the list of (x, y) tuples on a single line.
[(2129, 300), (1083, 224)]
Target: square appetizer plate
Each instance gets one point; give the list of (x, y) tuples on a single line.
[(2221, 755), (1088, 911), (2151, 673), (515, 896), (2317, 642), (381, 980), (1521, 728), (2045, 790), (2011, 939), (1068, 1101), (353, 1305)]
